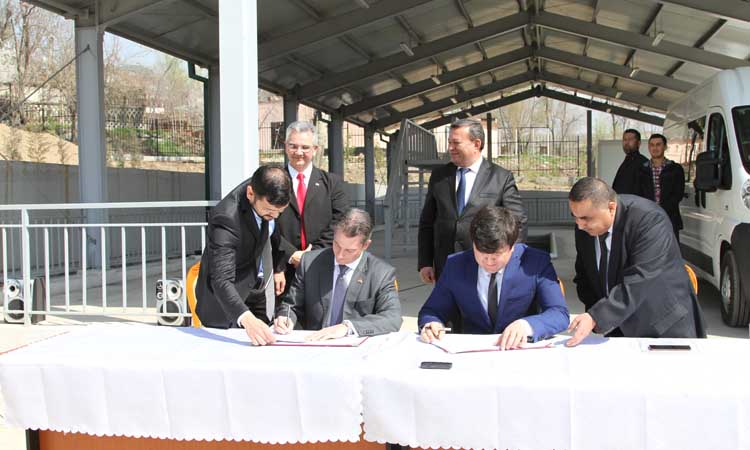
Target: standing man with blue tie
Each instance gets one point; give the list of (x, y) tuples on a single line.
[(497, 287), (318, 199), (456, 192)]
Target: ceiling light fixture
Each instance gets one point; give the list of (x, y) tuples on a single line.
[(658, 38), (406, 49)]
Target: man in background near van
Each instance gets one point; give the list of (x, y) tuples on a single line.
[(663, 181), (626, 180)]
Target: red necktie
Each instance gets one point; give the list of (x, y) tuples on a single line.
[(301, 193)]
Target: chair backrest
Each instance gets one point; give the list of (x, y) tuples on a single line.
[(192, 280), (693, 278), (562, 286)]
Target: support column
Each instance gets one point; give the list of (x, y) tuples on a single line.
[(589, 149), (370, 172), (336, 145), (489, 137), (291, 113), (238, 50), (92, 151), (213, 133)]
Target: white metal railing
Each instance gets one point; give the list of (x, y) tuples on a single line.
[(78, 254)]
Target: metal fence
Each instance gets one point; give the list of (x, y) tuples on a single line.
[(93, 258), (128, 129)]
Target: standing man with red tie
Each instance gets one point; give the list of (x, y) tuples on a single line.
[(318, 199)]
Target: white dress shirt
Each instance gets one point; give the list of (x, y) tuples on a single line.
[(469, 178), (483, 287), (598, 250), (295, 182), (348, 278)]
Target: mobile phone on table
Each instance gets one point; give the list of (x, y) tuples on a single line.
[(435, 365), (681, 347)]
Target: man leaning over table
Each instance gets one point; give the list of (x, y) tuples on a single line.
[(497, 286), (343, 290), (241, 270)]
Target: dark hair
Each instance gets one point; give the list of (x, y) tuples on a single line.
[(272, 183), (635, 132), (355, 222), (659, 136), (475, 129), (493, 228), (594, 189)]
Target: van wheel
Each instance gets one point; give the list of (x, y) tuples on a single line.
[(735, 310)]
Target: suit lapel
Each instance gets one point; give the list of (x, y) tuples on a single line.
[(325, 282), (508, 273), (293, 201), (615, 253), (357, 281), (472, 277), (452, 186), (313, 186), (247, 211), (479, 181)]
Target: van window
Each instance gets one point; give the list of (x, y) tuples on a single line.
[(741, 116), (696, 130), (718, 145)]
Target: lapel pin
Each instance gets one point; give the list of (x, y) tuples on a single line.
[(360, 280), (317, 184)]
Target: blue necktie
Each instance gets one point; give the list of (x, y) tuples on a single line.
[(461, 191), (339, 293)]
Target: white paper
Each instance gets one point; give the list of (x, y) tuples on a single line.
[(469, 343), (298, 337)]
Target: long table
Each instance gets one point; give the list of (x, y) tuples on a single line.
[(145, 387)]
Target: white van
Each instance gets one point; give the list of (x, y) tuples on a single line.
[(709, 134)]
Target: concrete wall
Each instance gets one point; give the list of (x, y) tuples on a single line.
[(29, 183)]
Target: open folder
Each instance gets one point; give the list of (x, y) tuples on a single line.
[(471, 343), (297, 338)]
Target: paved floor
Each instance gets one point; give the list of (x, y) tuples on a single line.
[(412, 293)]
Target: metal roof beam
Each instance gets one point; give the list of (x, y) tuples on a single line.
[(460, 98), (333, 27), (604, 91), (612, 69), (603, 107), (698, 44), (205, 10), (728, 9), (111, 17), (426, 51), (637, 41), (445, 79), (505, 101)]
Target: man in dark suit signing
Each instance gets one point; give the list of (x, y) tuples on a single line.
[(318, 199), (494, 286), (237, 282), (456, 192), (629, 272), (343, 290)]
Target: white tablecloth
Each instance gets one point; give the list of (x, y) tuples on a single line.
[(134, 380), (604, 395), (146, 381)]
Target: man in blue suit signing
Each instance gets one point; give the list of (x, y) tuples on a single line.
[(499, 286)]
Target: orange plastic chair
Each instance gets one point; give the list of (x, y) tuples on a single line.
[(562, 286), (192, 279), (693, 278)]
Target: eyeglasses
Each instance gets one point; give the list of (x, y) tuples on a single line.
[(302, 148)]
